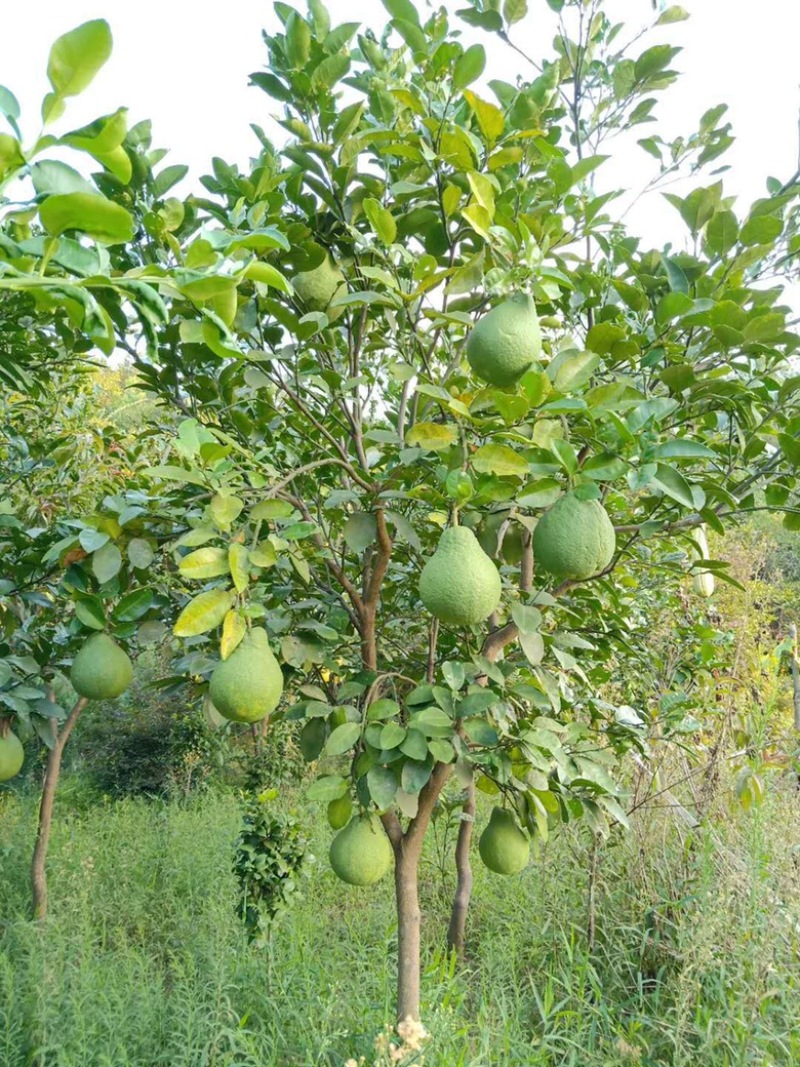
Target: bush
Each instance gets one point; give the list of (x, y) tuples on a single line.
[(147, 744), (269, 864)]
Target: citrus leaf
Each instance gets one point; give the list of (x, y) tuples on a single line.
[(77, 56), (500, 459), (233, 630), (239, 560), (90, 213), (204, 613), (204, 563), (432, 436)]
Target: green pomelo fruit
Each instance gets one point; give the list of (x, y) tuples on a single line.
[(506, 342), (504, 848), (459, 584), (247, 686), (12, 756), (101, 670), (339, 812), (316, 288), (361, 853), (574, 538)]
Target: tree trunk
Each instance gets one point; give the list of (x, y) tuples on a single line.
[(52, 773), (795, 677), (409, 925), (457, 930)]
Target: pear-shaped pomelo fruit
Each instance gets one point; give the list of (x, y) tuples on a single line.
[(339, 812), (459, 584), (504, 848), (247, 686), (574, 538), (506, 342), (361, 853), (12, 756), (101, 670), (316, 288)]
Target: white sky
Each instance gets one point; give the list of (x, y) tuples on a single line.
[(186, 65)]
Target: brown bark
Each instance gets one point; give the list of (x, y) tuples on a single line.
[(52, 773), (492, 648), (795, 677), (407, 852), (457, 930)]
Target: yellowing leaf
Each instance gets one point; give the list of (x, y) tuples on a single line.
[(204, 563), (500, 459), (233, 630), (263, 555), (239, 560), (490, 118), (204, 613), (224, 509), (432, 436)]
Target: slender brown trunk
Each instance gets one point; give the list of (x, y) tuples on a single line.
[(457, 930), (51, 776), (795, 677), (409, 926)]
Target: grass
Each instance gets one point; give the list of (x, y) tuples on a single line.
[(143, 963)]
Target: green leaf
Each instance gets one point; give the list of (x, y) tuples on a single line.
[(527, 618), (415, 775), (675, 13), (106, 563), (89, 213), (722, 232), (761, 230), (682, 448), (469, 66), (360, 531), (382, 785), (331, 787), (500, 460), (140, 553), (454, 675), (133, 606), (382, 709), (204, 613), (415, 745), (790, 446), (678, 282), (298, 40), (514, 11), (204, 563), (673, 483), (539, 494), (381, 220), (77, 56), (90, 612), (271, 509), (342, 738), (170, 473), (402, 9), (533, 647), (392, 735), (576, 371), (480, 732)]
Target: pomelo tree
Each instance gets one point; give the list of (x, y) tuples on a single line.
[(77, 537), (338, 426)]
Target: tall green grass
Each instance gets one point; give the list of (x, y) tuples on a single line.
[(143, 963)]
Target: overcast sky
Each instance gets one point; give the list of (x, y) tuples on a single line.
[(186, 65)]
